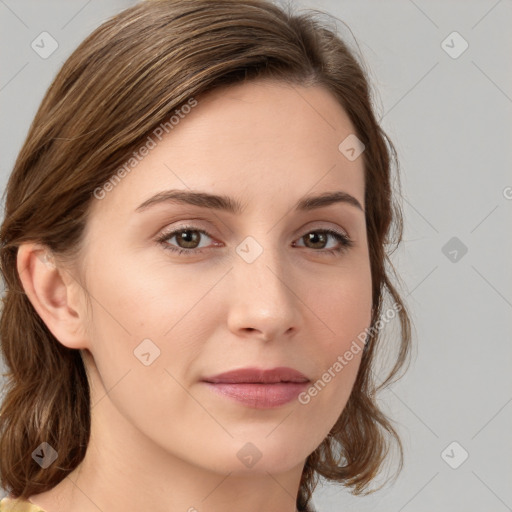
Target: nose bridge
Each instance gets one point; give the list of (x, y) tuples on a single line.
[(262, 296)]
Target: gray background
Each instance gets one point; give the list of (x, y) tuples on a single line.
[(450, 119)]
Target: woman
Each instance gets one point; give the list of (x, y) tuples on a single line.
[(194, 259)]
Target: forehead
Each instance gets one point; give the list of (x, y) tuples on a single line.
[(263, 142)]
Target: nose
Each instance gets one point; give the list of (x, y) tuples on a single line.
[(263, 302)]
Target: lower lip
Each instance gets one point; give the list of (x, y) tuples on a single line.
[(260, 396)]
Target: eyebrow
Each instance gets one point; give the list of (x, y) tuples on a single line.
[(221, 202)]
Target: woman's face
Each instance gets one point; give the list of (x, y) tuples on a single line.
[(265, 287)]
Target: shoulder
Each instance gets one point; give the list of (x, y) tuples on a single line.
[(16, 505)]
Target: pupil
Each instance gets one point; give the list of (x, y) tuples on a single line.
[(313, 236), (188, 236)]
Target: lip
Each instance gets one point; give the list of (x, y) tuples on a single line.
[(259, 388), (260, 396), (258, 375)]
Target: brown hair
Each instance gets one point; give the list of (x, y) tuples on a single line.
[(122, 81)]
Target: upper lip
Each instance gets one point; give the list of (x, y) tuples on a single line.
[(258, 375)]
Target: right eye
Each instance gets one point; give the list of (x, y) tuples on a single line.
[(187, 235)]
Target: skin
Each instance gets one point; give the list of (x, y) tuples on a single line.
[(160, 439)]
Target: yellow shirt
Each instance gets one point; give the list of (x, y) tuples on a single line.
[(17, 505)]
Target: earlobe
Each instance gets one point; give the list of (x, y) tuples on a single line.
[(50, 293)]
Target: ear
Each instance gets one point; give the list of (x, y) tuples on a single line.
[(54, 294)]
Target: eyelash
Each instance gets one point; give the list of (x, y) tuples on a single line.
[(346, 242)]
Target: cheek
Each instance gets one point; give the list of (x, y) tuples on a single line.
[(343, 301), (143, 346), (141, 300), (140, 309), (344, 307)]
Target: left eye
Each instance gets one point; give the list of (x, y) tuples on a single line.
[(188, 238)]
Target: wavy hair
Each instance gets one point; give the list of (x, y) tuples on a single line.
[(123, 81)]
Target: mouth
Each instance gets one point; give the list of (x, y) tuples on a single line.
[(257, 388)]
